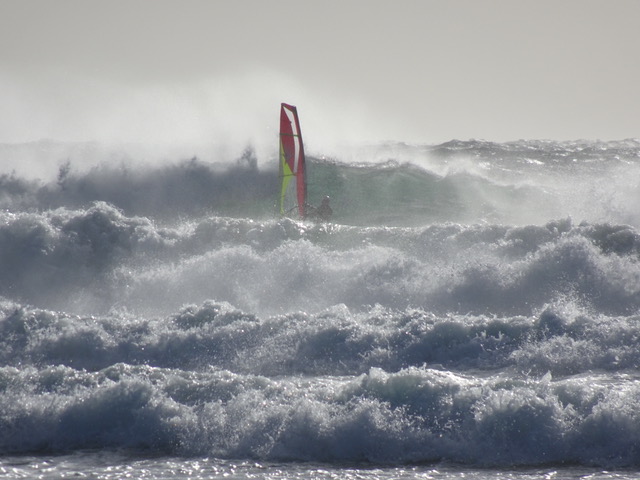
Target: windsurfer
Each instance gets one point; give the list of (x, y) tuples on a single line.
[(323, 212)]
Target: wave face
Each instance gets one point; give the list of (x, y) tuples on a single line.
[(473, 302)]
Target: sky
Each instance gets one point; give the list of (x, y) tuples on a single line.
[(416, 71)]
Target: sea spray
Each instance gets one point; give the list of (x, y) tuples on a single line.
[(472, 302)]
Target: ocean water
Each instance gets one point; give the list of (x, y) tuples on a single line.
[(473, 311)]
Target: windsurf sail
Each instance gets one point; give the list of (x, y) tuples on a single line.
[(293, 186)]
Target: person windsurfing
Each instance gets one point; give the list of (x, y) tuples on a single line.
[(323, 212)]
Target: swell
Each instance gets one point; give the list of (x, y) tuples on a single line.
[(563, 339), (247, 399), (393, 184), (97, 259)]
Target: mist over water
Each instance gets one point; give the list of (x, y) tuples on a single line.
[(472, 302)]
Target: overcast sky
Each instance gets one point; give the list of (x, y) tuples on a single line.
[(422, 71)]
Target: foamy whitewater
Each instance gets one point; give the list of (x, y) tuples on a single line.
[(473, 311)]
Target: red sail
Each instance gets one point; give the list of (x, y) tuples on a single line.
[(293, 192)]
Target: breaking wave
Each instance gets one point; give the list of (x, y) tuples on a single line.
[(472, 302)]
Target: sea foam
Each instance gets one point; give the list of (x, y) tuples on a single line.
[(471, 302)]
